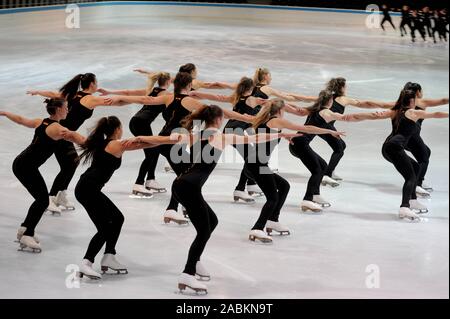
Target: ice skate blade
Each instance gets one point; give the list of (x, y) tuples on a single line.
[(262, 240), (411, 219), (421, 211), (135, 194), (307, 209), (202, 278), (54, 214), (331, 184), (167, 220), (428, 196), (323, 205), (67, 208), (158, 190), (80, 275), (247, 201), (27, 249), (199, 291), (269, 232), (256, 194), (116, 271), (429, 189)]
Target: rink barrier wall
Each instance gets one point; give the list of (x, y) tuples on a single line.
[(185, 4)]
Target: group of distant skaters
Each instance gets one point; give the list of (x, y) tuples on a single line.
[(425, 22), (255, 126)]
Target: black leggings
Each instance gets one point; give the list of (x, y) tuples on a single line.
[(406, 166), (387, 20), (314, 163), (140, 127), (403, 30), (274, 187), (33, 181), (106, 216), (67, 158), (421, 31), (201, 215), (338, 146), (422, 154), (243, 150), (179, 166)]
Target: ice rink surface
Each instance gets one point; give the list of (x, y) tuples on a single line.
[(332, 255)]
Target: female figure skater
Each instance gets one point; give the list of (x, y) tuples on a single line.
[(81, 107), (207, 147), (271, 120), (406, 21), (386, 17), (140, 125), (26, 166), (339, 88), (404, 126), (244, 103), (416, 145), (104, 149), (178, 105)]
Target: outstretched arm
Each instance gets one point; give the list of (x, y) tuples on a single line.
[(296, 110), (280, 94), (211, 97), (358, 117), (417, 115), (146, 100), (308, 129), (365, 104), (48, 94), (104, 92), (31, 123), (141, 142), (232, 115), (233, 139), (424, 103)]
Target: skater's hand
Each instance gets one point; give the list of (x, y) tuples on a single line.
[(338, 134), (180, 138), (142, 71), (2, 113), (103, 92), (33, 93), (260, 101)]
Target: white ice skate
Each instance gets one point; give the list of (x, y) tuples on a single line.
[(308, 205), (188, 281), (109, 261), (53, 207), (243, 196), (87, 270), (22, 231), (408, 214), (201, 272), (336, 177), (327, 180), (254, 190), (422, 192), (139, 191), (168, 168), (154, 186), (417, 206), (276, 227), (260, 236), (427, 187), (319, 200), (62, 201), (173, 216), (30, 243)]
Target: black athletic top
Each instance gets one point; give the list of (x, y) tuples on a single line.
[(386, 13), (241, 107), (420, 121), (102, 168), (204, 159), (402, 133), (78, 113), (41, 148), (263, 151), (406, 15), (258, 93), (314, 119), (149, 113), (337, 108), (175, 113)]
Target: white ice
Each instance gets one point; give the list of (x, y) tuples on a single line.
[(327, 255)]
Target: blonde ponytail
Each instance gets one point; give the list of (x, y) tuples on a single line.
[(272, 108), (259, 75), (160, 77)]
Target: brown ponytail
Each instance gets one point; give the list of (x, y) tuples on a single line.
[(324, 98), (336, 86), (208, 114), (272, 108), (245, 85)]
